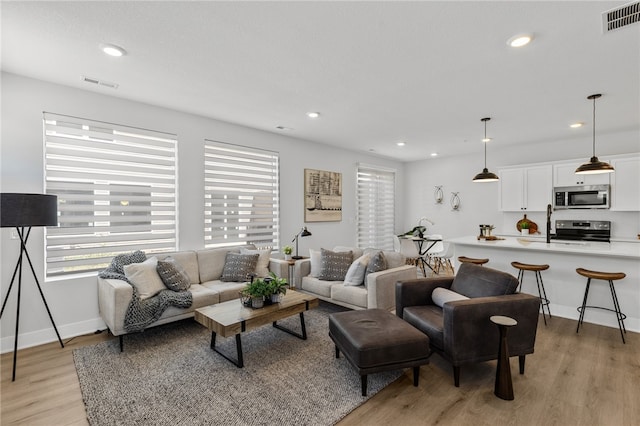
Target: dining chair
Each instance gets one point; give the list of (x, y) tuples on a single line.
[(407, 247), (443, 259)]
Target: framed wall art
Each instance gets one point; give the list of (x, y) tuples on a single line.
[(322, 196)]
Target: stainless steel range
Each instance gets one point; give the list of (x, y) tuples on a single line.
[(583, 230)]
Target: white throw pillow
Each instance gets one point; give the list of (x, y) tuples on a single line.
[(145, 277), (441, 295), (262, 268), (355, 274), (316, 262)]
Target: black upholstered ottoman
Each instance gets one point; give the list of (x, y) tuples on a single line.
[(375, 340)]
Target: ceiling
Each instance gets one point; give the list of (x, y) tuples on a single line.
[(378, 72)]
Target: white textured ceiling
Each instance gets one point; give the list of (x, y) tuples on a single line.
[(379, 72)]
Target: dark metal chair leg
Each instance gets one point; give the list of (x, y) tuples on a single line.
[(416, 375), (619, 315), (363, 384), (337, 352), (121, 339), (521, 360), (584, 304), (456, 375)]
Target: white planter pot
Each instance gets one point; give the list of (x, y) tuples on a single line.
[(287, 257), (276, 298), (257, 302), (524, 231)]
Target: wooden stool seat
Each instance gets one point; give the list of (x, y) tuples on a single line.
[(465, 259), (597, 275), (609, 277), (544, 301), (529, 267)]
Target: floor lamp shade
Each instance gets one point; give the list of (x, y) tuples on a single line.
[(28, 210)]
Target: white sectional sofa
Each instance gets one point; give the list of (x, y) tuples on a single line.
[(204, 268), (377, 292)]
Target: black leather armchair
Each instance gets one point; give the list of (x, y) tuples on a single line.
[(461, 331)]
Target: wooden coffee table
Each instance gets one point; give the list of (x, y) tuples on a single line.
[(232, 319)]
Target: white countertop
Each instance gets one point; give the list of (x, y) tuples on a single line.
[(613, 249)]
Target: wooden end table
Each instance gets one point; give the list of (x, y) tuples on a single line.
[(232, 319), (504, 386)]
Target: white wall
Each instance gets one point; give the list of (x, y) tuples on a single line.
[(73, 302), (480, 201)]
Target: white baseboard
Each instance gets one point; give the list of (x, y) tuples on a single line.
[(48, 335)]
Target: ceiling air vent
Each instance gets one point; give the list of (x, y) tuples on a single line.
[(99, 82), (620, 17)]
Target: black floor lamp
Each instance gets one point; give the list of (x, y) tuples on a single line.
[(304, 232), (22, 211)]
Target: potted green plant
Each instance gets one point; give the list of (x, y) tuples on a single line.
[(287, 250), (524, 228), (258, 290), (277, 287)]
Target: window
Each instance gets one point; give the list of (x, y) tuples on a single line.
[(116, 189), (241, 196), (376, 207)]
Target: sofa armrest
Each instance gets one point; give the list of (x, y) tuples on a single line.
[(279, 267), (114, 297), (417, 292), (470, 336), (381, 286), (302, 269)]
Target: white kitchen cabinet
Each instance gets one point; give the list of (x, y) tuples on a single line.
[(625, 180), (565, 175), (526, 188)]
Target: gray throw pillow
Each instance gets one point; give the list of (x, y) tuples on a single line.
[(173, 274), (377, 263), (334, 265), (238, 266)]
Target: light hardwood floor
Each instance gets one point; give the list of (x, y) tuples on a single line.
[(589, 378)]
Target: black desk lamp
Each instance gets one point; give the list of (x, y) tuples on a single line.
[(24, 211), (304, 232)]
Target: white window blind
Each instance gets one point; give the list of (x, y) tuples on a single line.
[(376, 207), (116, 189), (241, 196)]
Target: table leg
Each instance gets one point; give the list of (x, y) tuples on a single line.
[(504, 386), (302, 335), (238, 361)]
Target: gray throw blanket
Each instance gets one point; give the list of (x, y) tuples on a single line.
[(141, 313)]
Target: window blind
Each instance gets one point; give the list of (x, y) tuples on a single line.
[(116, 188), (376, 207), (241, 196)]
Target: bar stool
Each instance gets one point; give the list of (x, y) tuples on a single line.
[(521, 267), (465, 259), (607, 276)]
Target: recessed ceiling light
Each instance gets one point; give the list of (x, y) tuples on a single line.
[(576, 125), (313, 114), (434, 154), (520, 40), (113, 50), (400, 143)]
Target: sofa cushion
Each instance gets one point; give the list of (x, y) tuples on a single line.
[(355, 273), (480, 281), (315, 260), (238, 266), (173, 274), (225, 290), (429, 319), (188, 259), (144, 277), (317, 286), (441, 295), (211, 261), (202, 297), (350, 294), (334, 265), (262, 267)]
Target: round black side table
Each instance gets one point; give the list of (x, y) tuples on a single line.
[(503, 387)]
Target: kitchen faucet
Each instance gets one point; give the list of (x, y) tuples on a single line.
[(548, 223)]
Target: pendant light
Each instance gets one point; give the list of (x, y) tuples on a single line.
[(486, 175), (594, 165)]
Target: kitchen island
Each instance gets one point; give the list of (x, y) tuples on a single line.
[(564, 287)]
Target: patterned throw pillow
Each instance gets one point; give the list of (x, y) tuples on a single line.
[(334, 266), (262, 267), (173, 274), (377, 263), (238, 266)]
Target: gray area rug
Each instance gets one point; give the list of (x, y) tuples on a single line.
[(168, 375)]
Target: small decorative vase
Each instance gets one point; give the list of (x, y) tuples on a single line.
[(276, 298), (524, 231), (257, 302), (287, 257)]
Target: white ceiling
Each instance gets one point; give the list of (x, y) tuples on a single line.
[(378, 72)]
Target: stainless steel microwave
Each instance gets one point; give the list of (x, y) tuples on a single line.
[(581, 197)]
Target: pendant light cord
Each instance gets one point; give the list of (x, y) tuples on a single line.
[(594, 126), (485, 144)]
